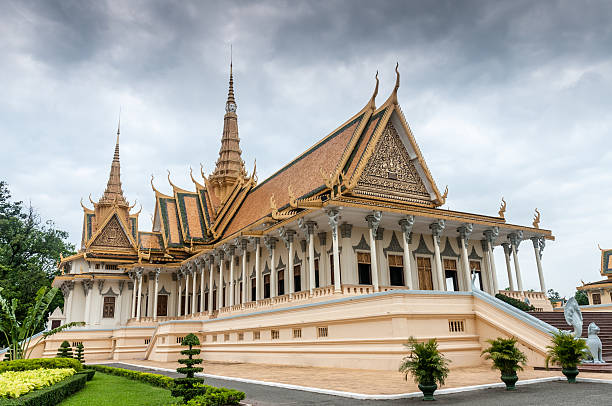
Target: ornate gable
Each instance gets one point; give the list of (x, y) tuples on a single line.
[(390, 172), (112, 236)]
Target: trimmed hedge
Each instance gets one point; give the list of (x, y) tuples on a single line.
[(217, 397), (515, 302), (36, 363), (51, 395), (152, 379), (89, 372)]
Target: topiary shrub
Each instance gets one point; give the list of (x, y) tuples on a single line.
[(64, 351), (515, 302), (152, 379), (190, 386), (80, 353)]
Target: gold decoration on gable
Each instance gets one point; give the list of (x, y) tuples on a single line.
[(112, 236), (390, 172)]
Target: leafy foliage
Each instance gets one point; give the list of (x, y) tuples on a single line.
[(13, 384), (79, 353), (29, 252), (152, 379), (51, 395), (582, 298), (64, 350), (425, 362), (19, 333), (216, 397), (190, 386), (566, 350), (505, 355), (553, 296), (36, 363), (516, 303)]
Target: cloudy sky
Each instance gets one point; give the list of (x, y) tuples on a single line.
[(505, 99)]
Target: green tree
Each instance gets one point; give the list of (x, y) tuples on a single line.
[(581, 298), (79, 353), (190, 386), (64, 350), (553, 295), (30, 249), (19, 332)]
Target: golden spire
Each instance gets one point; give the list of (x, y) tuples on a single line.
[(230, 166), (113, 192)]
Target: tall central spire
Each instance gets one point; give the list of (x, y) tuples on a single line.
[(230, 166), (114, 193)]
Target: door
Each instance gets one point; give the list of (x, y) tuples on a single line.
[(450, 274), (162, 305), (396, 270), (424, 269)]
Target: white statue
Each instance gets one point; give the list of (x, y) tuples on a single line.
[(573, 316), (594, 344)]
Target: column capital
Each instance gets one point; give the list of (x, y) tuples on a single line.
[(229, 250), (256, 241), (373, 220), (491, 235), (67, 287), (219, 255), (539, 243), (516, 238), (87, 284), (346, 230), (287, 235), (406, 224), (270, 243), (308, 226), (506, 247), (436, 229), (465, 231), (157, 271)]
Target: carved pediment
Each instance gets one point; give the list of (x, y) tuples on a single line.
[(390, 172), (112, 236)]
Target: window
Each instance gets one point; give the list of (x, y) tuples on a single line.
[(596, 298), (214, 338), (108, 310), (475, 269), (97, 266), (112, 267), (424, 270), (275, 334), (226, 337), (450, 272), (364, 268), (396, 270), (297, 279), (456, 326), (256, 335), (76, 343), (266, 286), (179, 340), (297, 333), (147, 341), (321, 332), (331, 268), (240, 336), (55, 324), (281, 282), (316, 264), (253, 290)]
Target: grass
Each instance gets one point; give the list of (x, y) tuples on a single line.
[(106, 389)]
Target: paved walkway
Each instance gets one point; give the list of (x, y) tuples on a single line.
[(548, 393)]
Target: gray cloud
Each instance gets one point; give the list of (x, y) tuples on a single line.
[(504, 98)]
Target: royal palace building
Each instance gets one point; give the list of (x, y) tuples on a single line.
[(336, 258)]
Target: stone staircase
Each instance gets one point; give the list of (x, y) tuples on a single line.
[(602, 319)]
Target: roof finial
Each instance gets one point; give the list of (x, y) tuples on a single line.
[(119, 125), (372, 103)]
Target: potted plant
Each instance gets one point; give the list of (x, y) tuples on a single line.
[(567, 351), (427, 365), (507, 358)]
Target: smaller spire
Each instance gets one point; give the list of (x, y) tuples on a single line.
[(230, 105), (113, 192)]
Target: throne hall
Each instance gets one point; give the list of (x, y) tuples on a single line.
[(334, 260)]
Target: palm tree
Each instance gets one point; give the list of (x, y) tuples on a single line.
[(19, 333)]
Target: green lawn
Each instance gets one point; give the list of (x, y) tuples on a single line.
[(106, 389)]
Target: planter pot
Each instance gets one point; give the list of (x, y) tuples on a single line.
[(510, 381), (570, 374), (428, 391)]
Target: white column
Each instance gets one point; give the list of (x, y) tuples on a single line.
[(257, 270), (506, 247), (138, 298), (270, 243), (490, 236), (180, 293), (194, 275), (155, 290), (186, 309), (538, 247), (134, 293), (244, 243), (201, 265), (220, 285), (310, 226), (436, 228), (87, 285), (231, 251), (373, 223), (406, 225), (515, 240), (289, 235), (333, 215), (211, 281), (464, 234)]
